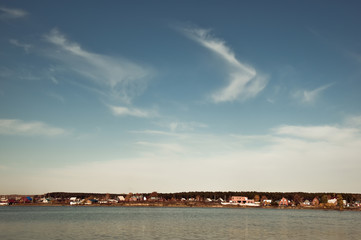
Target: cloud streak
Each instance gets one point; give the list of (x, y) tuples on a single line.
[(310, 96), (134, 112), (11, 13), (22, 128), (16, 43), (163, 147), (119, 77), (244, 81), (322, 133)]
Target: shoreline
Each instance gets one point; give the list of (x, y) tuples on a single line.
[(180, 205)]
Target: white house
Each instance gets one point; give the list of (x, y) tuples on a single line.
[(43, 200)]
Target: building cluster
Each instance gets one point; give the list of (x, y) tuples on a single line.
[(105, 199), (155, 197), (9, 200), (140, 198), (284, 202)]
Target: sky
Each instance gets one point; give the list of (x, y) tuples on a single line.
[(170, 96)]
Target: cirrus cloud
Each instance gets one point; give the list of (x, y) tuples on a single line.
[(11, 13), (19, 127), (128, 111), (244, 81), (310, 96), (117, 77)]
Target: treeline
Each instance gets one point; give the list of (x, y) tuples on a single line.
[(274, 196), (65, 195)]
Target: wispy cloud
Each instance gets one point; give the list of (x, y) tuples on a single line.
[(354, 121), (243, 82), (11, 13), (310, 96), (25, 46), (19, 127), (324, 133), (134, 112), (121, 78), (185, 126)]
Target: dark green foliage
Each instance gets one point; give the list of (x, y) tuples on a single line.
[(324, 199)]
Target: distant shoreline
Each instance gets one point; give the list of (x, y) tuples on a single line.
[(180, 205)]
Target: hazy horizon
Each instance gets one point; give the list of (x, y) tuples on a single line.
[(178, 96)]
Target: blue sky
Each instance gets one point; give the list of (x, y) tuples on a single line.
[(140, 96)]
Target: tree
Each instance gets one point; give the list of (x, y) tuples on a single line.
[(297, 199), (154, 195), (340, 201), (256, 198), (324, 199)]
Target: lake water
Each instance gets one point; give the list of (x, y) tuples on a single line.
[(37, 222)]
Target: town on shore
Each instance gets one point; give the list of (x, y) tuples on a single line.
[(343, 201)]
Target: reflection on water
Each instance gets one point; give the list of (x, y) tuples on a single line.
[(175, 223)]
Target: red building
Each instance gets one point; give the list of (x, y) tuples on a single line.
[(283, 202)]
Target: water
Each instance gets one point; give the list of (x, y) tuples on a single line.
[(37, 222)]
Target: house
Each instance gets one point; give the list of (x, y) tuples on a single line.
[(153, 197), (133, 198), (3, 201), (267, 202), (91, 201), (332, 201), (112, 201), (74, 201), (12, 201), (44, 200), (283, 202), (121, 198), (306, 203), (239, 199), (315, 202), (26, 200)]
